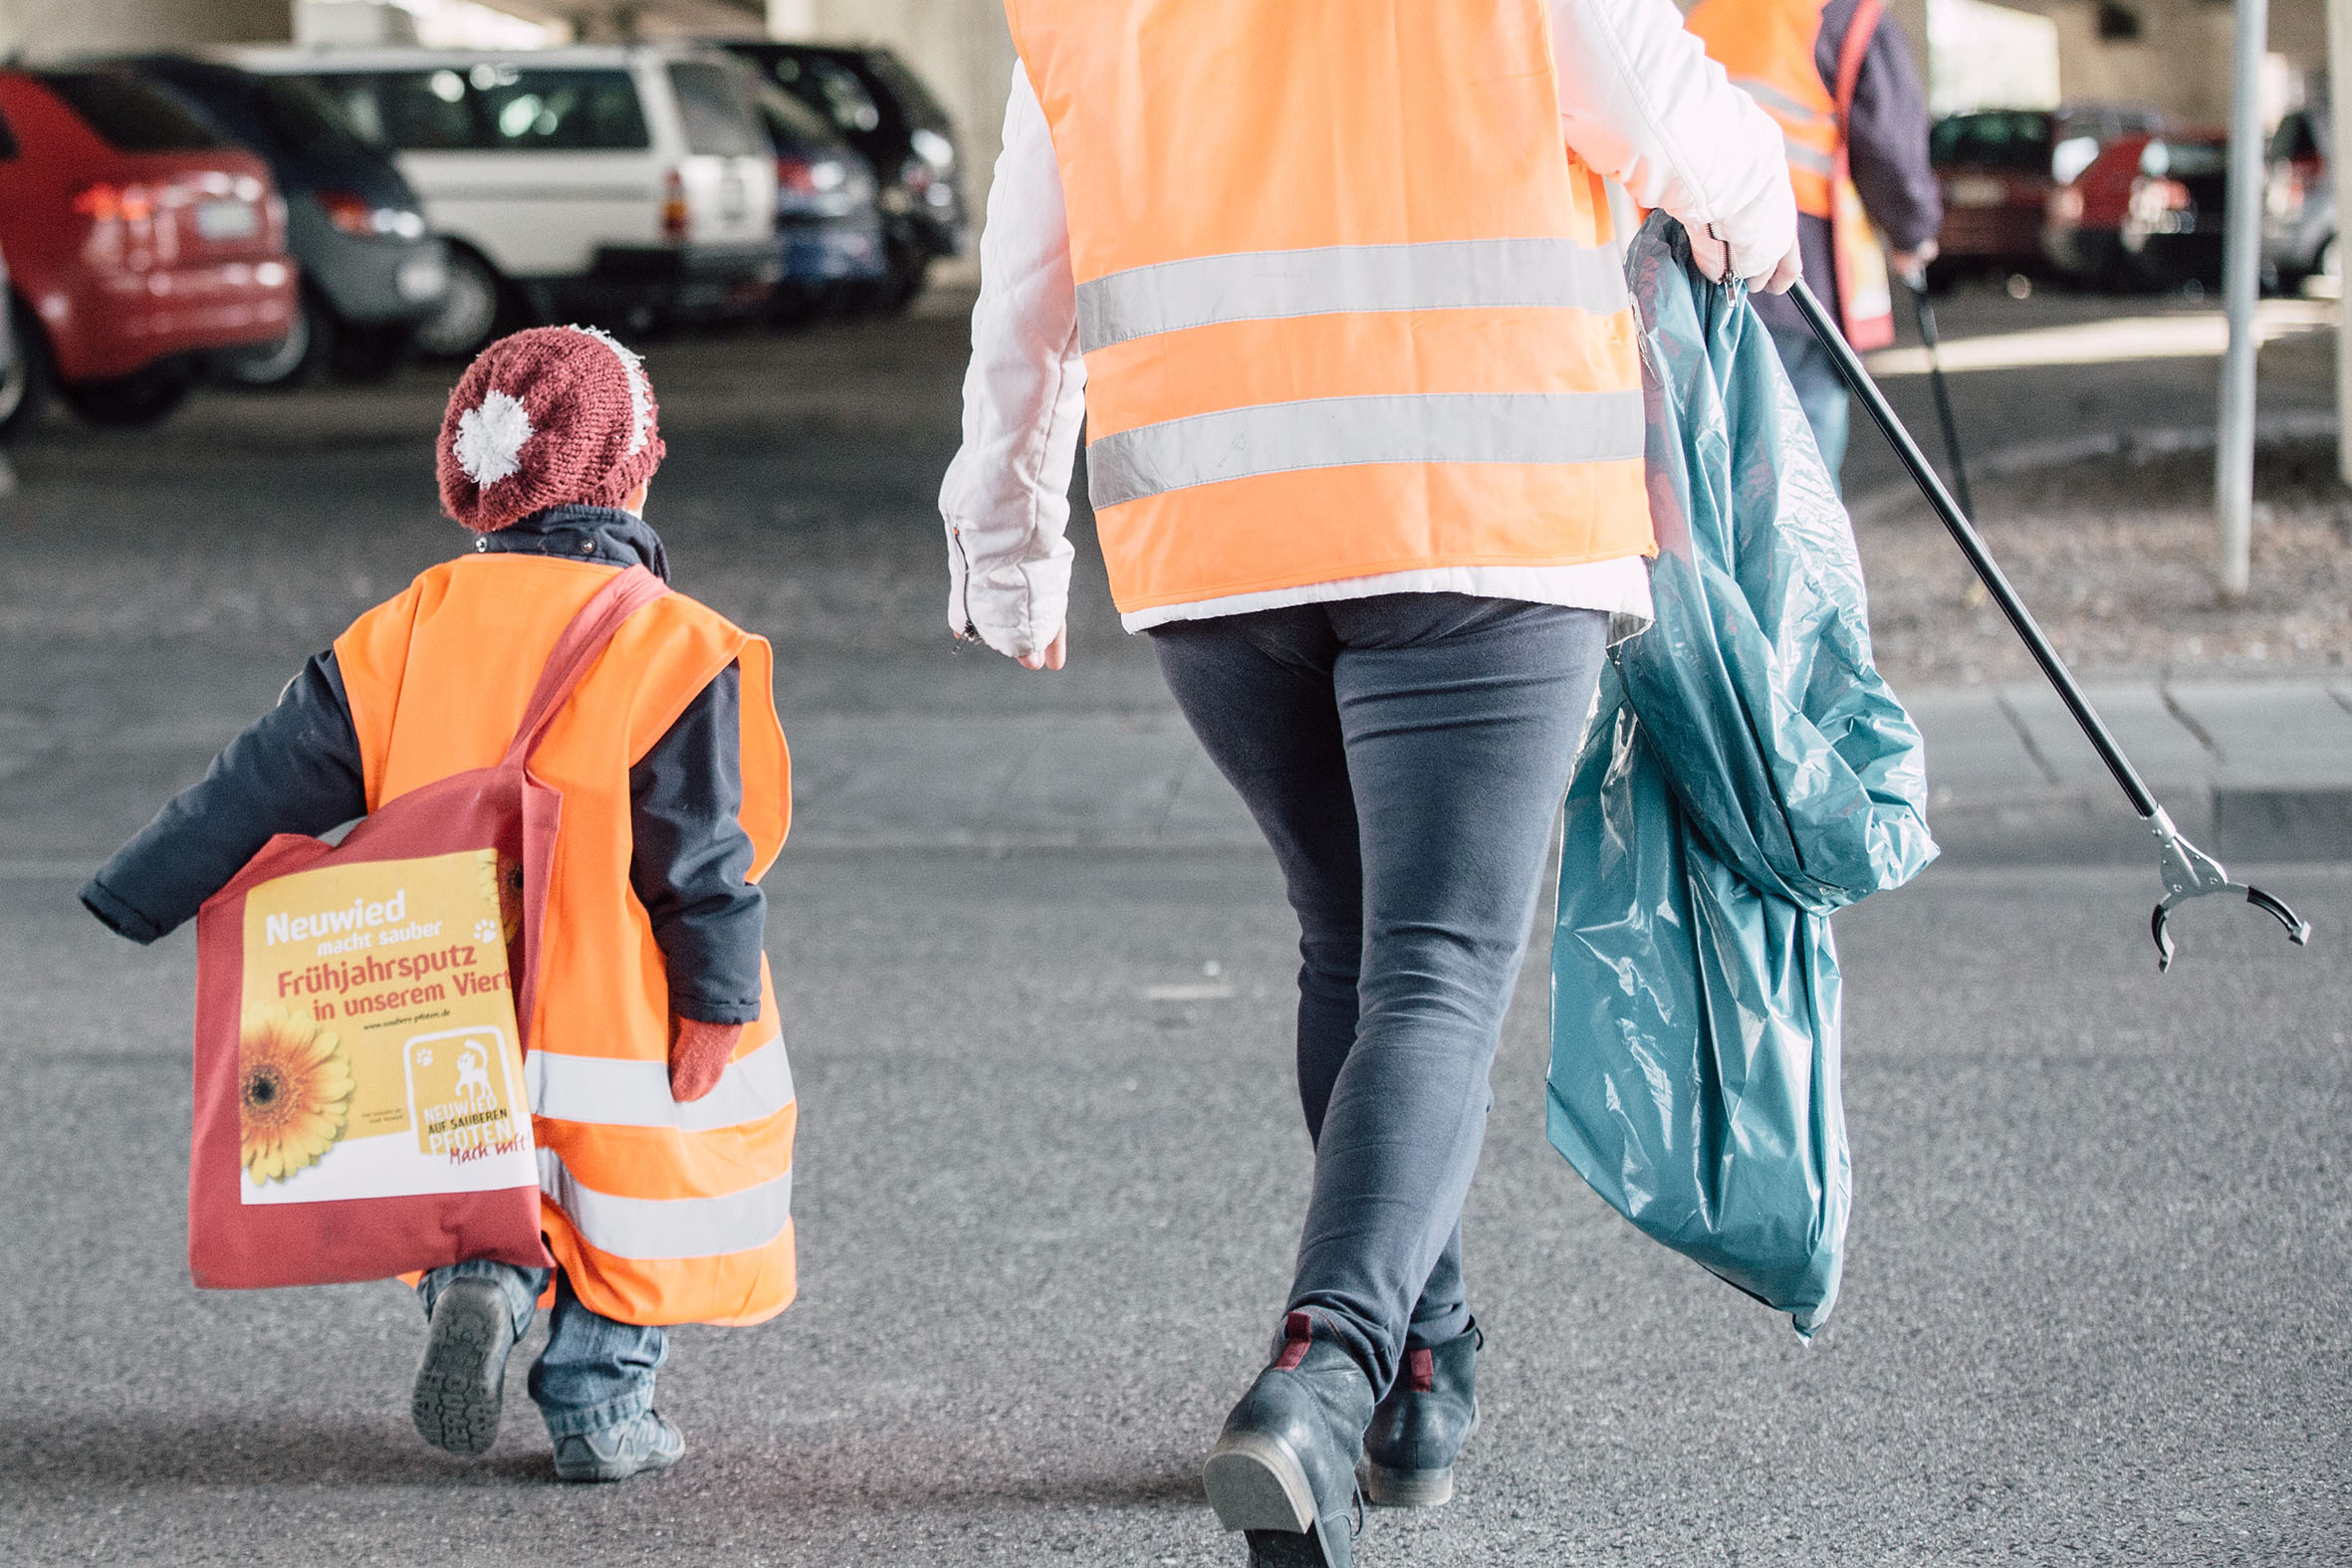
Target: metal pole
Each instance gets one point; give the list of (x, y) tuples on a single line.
[(2339, 156), (2234, 460)]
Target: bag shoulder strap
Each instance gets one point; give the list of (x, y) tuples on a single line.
[(1852, 50), (629, 591)]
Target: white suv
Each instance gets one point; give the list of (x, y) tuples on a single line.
[(630, 182)]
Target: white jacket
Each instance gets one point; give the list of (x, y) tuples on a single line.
[(1639, 102)]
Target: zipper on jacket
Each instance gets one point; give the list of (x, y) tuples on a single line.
[(970, 633)]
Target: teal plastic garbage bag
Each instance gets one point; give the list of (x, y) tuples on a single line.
[(1746, 773)]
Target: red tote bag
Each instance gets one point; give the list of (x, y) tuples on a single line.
[(359, 1108)]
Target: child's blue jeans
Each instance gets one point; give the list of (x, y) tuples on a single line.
[(595, 1373)]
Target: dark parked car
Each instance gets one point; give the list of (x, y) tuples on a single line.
[(1999, 169), (828, 226), (371, 271), (2172, 228), (884, 111), (2300, 202), (142, 244)]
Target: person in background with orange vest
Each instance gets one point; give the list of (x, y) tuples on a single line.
[(1839, 80), (1336, 293), (662, 1104)]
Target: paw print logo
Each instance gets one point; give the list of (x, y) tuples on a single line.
[(485, 930), (424, 1057)]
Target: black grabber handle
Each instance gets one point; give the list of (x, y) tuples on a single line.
[(2187, 871), (1971, 544)]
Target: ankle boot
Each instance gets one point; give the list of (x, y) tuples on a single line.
[(1420, 1427), (1283, 1468)]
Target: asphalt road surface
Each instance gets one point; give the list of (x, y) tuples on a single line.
[(2098, 1306)]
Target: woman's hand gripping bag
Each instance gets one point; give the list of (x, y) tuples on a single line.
[(360, 1100), (1746, 773)]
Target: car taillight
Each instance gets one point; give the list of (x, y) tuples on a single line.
[(673, 208), (352, 214), (796, 175), (104, 203), (360, 218), (2064, 206)]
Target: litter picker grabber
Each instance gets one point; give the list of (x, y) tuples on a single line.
[(1925, 313), (2188, 872)]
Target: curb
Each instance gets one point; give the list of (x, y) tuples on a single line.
[(2028, 457), (2232, 822)]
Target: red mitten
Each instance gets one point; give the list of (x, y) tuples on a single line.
[(699, 1053)]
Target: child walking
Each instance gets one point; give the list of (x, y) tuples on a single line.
[(663, 1102)]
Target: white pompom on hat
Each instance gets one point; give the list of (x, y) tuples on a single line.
[(548, 415)]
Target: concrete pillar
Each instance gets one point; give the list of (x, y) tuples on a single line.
[(48, 28)]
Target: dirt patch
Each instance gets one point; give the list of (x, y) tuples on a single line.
[(2117, 558)]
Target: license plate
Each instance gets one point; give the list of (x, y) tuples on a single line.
[(1975, 193), (227, 220)]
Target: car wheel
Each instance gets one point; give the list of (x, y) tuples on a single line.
[(142, 397), (367, 354), (294, 360), (25, 385), (470, 309), (909, 268)]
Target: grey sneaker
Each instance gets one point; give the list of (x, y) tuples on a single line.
[(647, 1443), (462, 1381)]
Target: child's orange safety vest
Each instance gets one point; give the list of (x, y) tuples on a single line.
[(659, 1213)]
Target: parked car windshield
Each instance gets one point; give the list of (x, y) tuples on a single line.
[(829, 86), (302, 114), (132, 115), (922, 108), (2001, 139), (493, 108), (791, 124), (579, 110), (710, 103)]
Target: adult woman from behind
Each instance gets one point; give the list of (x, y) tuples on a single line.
[(1336, 293)]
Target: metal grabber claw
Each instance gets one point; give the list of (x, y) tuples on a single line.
[(2189, 872)]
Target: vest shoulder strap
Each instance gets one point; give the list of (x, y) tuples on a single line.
[(1851, 51)]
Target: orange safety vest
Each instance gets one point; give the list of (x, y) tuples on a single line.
[(1348, 304), (659, 1213), (1768, 48)]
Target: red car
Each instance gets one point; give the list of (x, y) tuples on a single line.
[(1999, 169), (139, 242), (2082, 227)]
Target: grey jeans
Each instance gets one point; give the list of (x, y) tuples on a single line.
[(1828, 406), (1405, 756), (595, 1373)]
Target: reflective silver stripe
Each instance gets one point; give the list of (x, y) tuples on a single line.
[(1255, 286), (653, 1229), (1335, 432), (614, 1093), (1773, 98), (1820, 163)]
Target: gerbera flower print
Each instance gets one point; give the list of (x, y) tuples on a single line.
[(502, 879), (294, 1092)]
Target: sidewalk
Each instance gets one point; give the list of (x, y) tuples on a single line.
[(2250, 769)]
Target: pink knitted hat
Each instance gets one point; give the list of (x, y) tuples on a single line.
[(545, 416)]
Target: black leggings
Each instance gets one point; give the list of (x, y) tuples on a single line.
[(1405, 756)]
